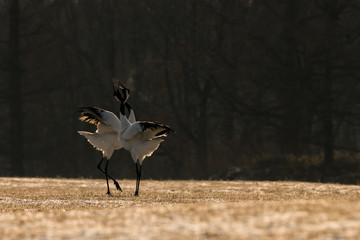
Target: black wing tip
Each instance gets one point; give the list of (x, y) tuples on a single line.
[(171, 130), (155, 124), (167, 127), (90, 114), (86, 109), (91, 109), (82, 111), (88, 118), (165, 132)]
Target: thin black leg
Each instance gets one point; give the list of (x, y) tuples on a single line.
[(138, 177), (108, 176)]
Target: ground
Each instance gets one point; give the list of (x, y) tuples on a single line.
[(38, 208)]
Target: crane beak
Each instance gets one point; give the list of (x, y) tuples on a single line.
[(121, 93), (119, 85), (117, 95)]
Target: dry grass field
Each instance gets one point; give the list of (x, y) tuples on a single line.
[(38, 208)]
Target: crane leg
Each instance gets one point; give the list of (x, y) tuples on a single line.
[(138, 177), (108, 176)]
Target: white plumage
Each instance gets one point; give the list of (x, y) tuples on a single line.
[(104, 142), (105, 138), (131, 131), (140, 138)]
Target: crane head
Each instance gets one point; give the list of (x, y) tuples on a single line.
[(121, 93)]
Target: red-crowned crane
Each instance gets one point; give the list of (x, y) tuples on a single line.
[(105, 139), (140, 138)]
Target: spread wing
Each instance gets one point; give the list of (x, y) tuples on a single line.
[(149, 130), (104, 120)]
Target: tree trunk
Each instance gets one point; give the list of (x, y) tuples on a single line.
[(15, 95), (291, 92), (110, 39), (204, 170), (327, 115)]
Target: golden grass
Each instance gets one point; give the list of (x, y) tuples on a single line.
[(38, 208)]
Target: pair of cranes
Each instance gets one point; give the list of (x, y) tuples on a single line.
[(140, 138)]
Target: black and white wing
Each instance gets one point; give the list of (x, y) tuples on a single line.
[(149, 130), (104, 120)]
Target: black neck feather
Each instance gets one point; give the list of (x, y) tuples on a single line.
[(122, 109)]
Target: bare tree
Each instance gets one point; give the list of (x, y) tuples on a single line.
[(16, 135)]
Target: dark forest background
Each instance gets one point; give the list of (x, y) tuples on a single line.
[(255, 89)]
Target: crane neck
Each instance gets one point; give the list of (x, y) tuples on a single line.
[(123, 119)]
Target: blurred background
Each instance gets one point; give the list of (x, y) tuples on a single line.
[(255, 89)]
